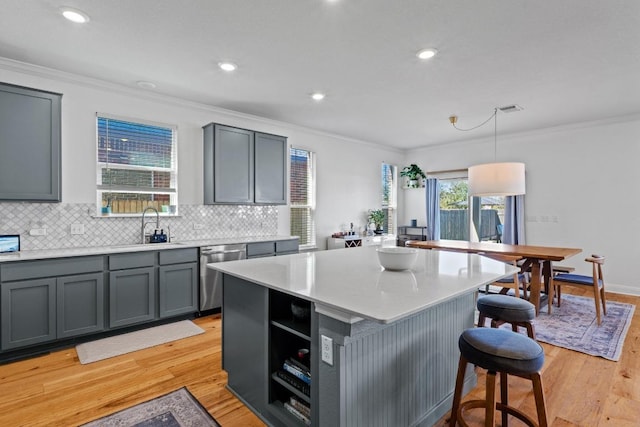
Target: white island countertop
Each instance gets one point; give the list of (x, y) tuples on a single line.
[(350, 285)]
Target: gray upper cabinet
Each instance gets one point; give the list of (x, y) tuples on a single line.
[(30, 138), (243, 167), (270, 169)]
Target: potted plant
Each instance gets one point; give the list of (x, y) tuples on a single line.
[(413, 174), (377, 217)]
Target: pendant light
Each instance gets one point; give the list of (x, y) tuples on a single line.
[(495, 179)]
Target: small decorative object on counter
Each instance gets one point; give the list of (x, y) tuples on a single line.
[(414, 222), (413, 174), (396, 258), (376, 216), (158, 237)]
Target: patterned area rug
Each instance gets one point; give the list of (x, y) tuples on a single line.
[(573, 325), (176, 409)]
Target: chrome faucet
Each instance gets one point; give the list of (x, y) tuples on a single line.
[(144, 240)]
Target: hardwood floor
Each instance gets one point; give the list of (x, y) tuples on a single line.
[(56, 390)]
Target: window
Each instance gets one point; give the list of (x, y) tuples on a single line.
[(302, 197), (486, 220), (137, 166), (389, 202)]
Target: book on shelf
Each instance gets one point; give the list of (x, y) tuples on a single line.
[(294, 381), (296, 413), (300, 406), (304, 368), (294, 370)]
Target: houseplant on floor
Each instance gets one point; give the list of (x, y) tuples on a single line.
[(413, 174), (376, 216)]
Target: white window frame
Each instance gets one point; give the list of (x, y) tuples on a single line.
[(392, 206), (172, 191), (311, 190)]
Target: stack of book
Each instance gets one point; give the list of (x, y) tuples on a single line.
[(299, 409), (296, 374)]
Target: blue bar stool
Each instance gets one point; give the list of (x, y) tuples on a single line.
[(506, 352), (506, 309)]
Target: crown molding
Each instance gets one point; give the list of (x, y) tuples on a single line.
[(93, 83)]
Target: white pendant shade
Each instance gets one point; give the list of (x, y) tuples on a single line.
[(496, 179)]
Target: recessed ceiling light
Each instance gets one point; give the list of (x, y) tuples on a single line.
[(227, 66), (74, 15), (146, 85), (427, 53), (317, 96)]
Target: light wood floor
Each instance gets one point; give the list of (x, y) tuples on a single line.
[(56, 390)]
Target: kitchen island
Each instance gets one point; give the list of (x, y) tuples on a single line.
[(383, 344)]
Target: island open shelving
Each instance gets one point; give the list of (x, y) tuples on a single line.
[(289, 337)]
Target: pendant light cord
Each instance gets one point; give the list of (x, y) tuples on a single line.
[(495, 112), (494, 116)]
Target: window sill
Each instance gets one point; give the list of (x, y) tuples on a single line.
[(135, 215)]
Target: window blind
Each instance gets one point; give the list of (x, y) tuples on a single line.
[(301, 198), (137, 165)]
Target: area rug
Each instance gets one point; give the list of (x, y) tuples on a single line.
[(573, 325), (176, 409), (105, 348)]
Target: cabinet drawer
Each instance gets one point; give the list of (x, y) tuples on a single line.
[(260, 249), (132, 260), (50, 267), (287, 246), (177, 256)]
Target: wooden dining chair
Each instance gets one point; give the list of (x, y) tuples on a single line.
[(512, 282), (595, 281)]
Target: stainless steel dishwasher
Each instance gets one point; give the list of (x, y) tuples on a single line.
[(211, 280)]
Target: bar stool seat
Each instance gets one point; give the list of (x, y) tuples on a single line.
[(506, 309), (506, 352)]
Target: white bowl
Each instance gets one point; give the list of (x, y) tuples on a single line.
[(397, 258)]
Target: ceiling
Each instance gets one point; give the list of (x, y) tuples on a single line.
[(563, 61)]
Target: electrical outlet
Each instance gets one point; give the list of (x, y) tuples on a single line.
[(38, 232), (77, 228), (327, 350), (198, 226)]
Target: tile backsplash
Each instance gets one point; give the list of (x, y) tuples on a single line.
[(192, 222)]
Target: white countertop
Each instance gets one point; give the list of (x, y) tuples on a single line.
[(113, 249), (349, 284)]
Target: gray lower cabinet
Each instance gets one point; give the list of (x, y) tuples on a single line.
[(30, 132), (28, 312), (136, 296), (271, 248), (132, 296), (45, 300), (243, 167), (178, 287), (79, 304), (244, 336)]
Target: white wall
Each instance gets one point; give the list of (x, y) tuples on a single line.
[(348, 171), (585, 175)]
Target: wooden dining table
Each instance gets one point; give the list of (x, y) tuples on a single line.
[(537, 259)]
